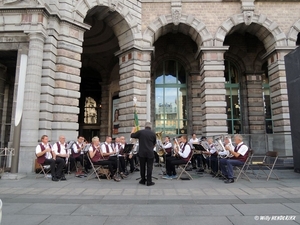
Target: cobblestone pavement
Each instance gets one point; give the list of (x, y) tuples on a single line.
[(203, 200)]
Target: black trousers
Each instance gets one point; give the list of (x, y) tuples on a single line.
[(171, 163), (144, 161), (212, 161), (83, 162), (114, 159), (107, 163), (133, 161), (58, 171)]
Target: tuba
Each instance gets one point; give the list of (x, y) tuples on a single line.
[(161, 151)]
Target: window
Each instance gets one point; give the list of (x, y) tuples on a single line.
[(170, 98), (232, 99)]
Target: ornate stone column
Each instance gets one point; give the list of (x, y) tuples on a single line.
[(255, 99), (134, 74), (279, 101), (212, 92), (31, 107), (196, 111)]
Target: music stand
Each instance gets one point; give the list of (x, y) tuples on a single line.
[(127, 148), (199, 147)]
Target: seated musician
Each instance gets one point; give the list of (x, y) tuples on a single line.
[(133, 158), (240, 155), (46, 156), (167, 145), (60, 150), (111, 155), (97, 157), (212, 158), (183, 153), (78, 154), (119, 146), (194, 140)]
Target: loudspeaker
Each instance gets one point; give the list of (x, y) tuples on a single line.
[(292, 67)]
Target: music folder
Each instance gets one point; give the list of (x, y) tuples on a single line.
[(128, 148), (199, 147)]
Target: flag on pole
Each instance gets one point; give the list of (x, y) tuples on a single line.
[(136, 120)]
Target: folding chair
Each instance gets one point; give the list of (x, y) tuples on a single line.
[(183, 167), (98, 170), (242, 170), (269, 162), (44, 169)]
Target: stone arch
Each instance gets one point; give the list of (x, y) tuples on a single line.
[(129, 30), (265, 29), (293, 34), (188, 25)]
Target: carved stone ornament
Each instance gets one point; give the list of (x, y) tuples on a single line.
[(113, 5), (248, 15), (176, 12)]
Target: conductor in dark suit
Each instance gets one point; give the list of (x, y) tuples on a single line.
[(147, 141)]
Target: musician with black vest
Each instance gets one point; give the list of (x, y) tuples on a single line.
[(110, 154), (60, 150), (46, 156), (98, 158), (78, 155), (212, 159), (240, 155), (147, 141), (183, 153), (167, 145)]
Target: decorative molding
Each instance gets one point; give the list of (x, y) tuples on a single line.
[(248, 16), (176, 12), (113, 5), (248, 11)]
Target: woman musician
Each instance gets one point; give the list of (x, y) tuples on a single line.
[(182, 155), (98, 158)]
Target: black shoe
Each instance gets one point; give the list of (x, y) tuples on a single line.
[(142, 182), (157, 165), (63, 178), (150, 184), (55, 179), (194, 167), (200, 170), (229, 181), (136, 170)]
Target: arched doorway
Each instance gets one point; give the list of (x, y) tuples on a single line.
[(172, 65), (170, 98), (246, 84), (99, 72)]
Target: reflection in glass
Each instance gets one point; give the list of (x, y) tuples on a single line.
[(90, 111), (170, 99)]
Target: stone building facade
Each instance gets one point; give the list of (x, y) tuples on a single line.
[(205, 66)]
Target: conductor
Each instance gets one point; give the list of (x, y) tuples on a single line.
[(147, 141)]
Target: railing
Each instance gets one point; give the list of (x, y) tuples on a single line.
[(5, 158)]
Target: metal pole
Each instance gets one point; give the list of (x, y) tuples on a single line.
[(19, 112)]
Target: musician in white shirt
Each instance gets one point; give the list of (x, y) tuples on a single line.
[(240, 155), (46, 156), (111, 154), (167, 145), (59, 148), (78, 154), (183, 156)]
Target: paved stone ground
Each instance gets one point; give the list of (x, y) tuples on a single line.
[(204, 200)]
